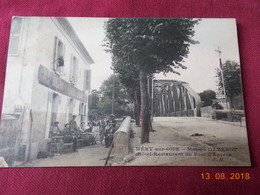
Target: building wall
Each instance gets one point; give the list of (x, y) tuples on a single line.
[(23, 87), (20, 68), (19, 76)]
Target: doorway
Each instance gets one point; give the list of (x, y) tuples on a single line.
[(54, 107)]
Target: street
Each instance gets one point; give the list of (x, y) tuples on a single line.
[(193, 141), (176, 141), (93, 155)]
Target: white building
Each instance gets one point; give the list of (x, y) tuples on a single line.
[(47, 79)]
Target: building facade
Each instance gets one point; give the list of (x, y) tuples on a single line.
[(47, 79)]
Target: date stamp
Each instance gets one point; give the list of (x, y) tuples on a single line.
[(225, 176)]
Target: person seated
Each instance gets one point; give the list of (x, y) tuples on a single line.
[(82, 126), (66, 130), (89, 127), (69, 137), (55, 131), (81, 130)]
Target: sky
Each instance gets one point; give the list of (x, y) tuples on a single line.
[(201, 63)]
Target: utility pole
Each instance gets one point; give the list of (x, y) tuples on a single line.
[(151, 95), (113, 92)]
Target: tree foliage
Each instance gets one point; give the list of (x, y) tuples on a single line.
[(152, 45), (232, 80), (100, 101), (207, 97), (142, 47), (93, 100)]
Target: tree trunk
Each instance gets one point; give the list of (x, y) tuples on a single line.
[(231, 102), (150, 96), (144, 108), (137, 109)]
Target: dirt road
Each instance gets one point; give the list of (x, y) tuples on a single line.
[(193, 142)]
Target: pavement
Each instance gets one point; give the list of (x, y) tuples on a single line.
[(192, 141), (190, 125), (176, 141), (93, 155)]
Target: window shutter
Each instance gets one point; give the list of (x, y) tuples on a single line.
[(85, 110), (63, 50), (71, 68), (76, 70), (85, 80), (15, 35), (63, 56), (79, 72), (55, 53), (88, 79)]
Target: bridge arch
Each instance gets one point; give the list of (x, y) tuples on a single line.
[(175, 98)]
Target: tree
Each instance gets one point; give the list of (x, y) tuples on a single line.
[(232, 80), (207, 97), (148, 46), (127, 75), (100, 101), (93, 100)]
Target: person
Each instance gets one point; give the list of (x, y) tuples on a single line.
[(82, 126), (108, 134), (73, 124), (112, 120), (102, 125), (89, 127), (69, 137), (55, 130), (81, 130)]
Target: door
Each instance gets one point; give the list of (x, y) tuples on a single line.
[(71, 106), (54, 107)]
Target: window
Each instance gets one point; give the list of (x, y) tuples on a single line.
[(58, 63), (15, 36), (81, 109), (87, 79), (73, 70)]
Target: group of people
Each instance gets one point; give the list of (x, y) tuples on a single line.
[(68, 134), (72, 132), (107, 129)]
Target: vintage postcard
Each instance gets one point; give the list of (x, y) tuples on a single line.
[(123, 92)]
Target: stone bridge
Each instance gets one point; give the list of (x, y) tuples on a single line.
[(175, 98)]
